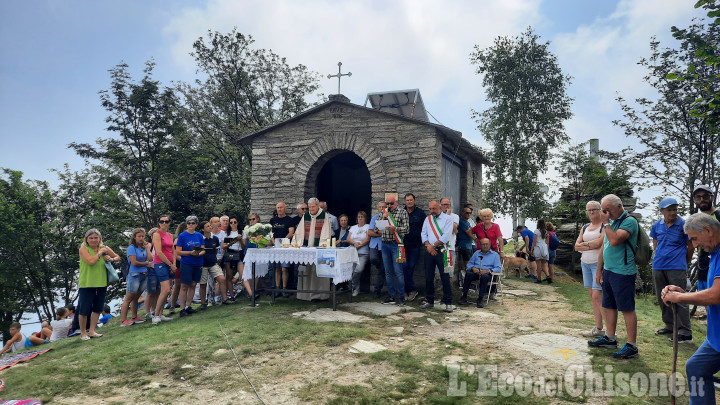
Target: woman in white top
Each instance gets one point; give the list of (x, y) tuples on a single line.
[(61, 325), (359, 238), (540, 250), (588, 244), (231, 250)]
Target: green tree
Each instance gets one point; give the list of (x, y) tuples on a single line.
[(241, 91), (528, 90), (140, 161), (677, 149)]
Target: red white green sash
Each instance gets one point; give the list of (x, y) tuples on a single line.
[(447, 253), (398, 239)]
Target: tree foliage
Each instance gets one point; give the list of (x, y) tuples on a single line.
[(243, 90), (524, 82), (678, 148)]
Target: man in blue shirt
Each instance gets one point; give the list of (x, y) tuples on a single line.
[(673, 252), (376, 250), (704, 232), (528, 236), (617, 278), (480, 267), (464, 242)]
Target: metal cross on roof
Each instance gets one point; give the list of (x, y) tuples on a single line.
[(339, 75)]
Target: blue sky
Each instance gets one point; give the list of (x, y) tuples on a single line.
[(54, 56)]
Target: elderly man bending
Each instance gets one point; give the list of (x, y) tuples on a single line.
[(704, 232), (482, 264)]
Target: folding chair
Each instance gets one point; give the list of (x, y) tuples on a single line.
[(496, 280)]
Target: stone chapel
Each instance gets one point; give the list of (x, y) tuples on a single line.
[(351, 155)]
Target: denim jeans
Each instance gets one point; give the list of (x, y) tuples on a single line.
[(394, 275), (702, 365), (431, 263), (412, 255), (377, 260), (358, 269)]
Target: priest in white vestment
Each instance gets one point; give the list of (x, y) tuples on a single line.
[(312, 231)]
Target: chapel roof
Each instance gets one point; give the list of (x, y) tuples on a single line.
[(454, 138)]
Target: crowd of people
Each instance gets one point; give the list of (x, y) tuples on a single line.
[(457, 249)]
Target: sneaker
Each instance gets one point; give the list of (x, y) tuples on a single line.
[(412, 295), (190, 310), (402, 302), (156, 320), (531, 276), (138, 320), (354, 293), (168, 306), (148, 316), (480, 304), (627, 352), (226, 302), (463, 301), (183, 313), (126, 323), (538, 281), (683, 339), (203, 307), (165, 318), (603, 341), (389, 300), (74, 333), (448, 308), (595, 332), (177, 305), (664, 331), (492, 297), (549, 280), (427, 305)]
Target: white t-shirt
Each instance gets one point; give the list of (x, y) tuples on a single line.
[(358, 234), (60, 329), (236, 245), (453, 236)]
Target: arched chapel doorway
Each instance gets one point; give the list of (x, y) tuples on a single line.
[(344, 182)]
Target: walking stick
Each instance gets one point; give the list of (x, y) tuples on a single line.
[(673, 376)]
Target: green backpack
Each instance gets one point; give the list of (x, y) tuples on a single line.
[(642, 250)]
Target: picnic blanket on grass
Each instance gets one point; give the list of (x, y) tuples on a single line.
[(17, 358), (21, 402)]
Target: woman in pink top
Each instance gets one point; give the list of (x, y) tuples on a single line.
[(164, 264)]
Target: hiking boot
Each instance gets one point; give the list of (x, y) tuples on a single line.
[(664, 331), (448, 308), (627, 352), (463, 301), (427, 305), (412, 295), (126, 323), (389, 300), (603, 341), (594, 332), (683, 339), (480, 304), (138, 320), (203, 307), (156, 320)]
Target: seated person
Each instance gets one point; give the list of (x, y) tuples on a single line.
[(18, 341), (483, 262), (61, 325), (106, 315), (45, 331)]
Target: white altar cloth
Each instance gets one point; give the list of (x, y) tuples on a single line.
[(346, 257)]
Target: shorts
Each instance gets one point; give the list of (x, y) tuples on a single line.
[(162, 272), (28, 343), (285, 265), (189, 274), (91, 299), (136, 282), (618, 291), (551, 256), (153, 285), (213, 272), (589, 273)]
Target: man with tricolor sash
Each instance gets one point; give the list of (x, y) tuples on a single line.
[(393, 249), (435, 234)]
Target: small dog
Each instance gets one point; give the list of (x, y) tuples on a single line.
[(515, 263)]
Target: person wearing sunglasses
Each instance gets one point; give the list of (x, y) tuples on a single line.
[(190, 246), (703, 197), (164, 262)]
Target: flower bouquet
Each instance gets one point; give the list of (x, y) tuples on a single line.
[(259, 234)]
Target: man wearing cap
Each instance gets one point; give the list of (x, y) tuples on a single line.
[(703, 196), (673, 252)]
